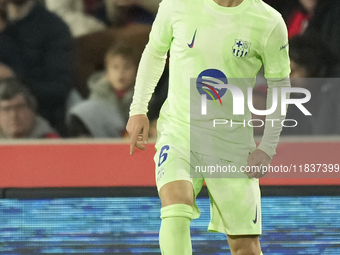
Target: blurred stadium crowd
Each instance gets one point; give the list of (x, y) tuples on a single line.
[(67, 67)]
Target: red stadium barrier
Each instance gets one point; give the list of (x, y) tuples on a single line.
[(108, 163)]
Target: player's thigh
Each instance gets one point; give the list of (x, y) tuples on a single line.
[(174, 184), (177, 192), (235, 204), (244, 245), (235, 209)]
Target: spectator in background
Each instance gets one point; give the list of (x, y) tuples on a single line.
[(95, 119), (106, 112), (3, 14), (73, 13), (5, 71), (296, 13), (93, 7), (97, 9), (36, 47), (91, 50), (18, 116), (299, 17), (314, 67), (326, 24), (310, 57), (122, 12)]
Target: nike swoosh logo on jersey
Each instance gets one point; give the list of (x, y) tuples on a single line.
[(255, 221), (191, 45), (284, 46)]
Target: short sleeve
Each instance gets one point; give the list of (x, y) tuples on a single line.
[(161, 33), (275, 56)]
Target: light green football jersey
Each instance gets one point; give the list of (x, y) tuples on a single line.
[(209, 45)]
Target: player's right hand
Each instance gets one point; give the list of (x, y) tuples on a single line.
[(138, 129)]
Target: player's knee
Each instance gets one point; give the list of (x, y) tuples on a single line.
[(177, 210), (246, 252), (244, 245), (251, 252), (180, 192), (167, 201)]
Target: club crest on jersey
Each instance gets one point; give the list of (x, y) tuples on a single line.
[(241, 48)]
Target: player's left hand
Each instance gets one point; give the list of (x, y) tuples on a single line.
[(258, 158)]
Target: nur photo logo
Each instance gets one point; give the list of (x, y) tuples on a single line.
[(214, 86)]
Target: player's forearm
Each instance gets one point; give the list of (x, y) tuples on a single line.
[(149, 72), (273, 127)]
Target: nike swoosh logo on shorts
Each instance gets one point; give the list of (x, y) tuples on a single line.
[(191, 45), (255, 221)]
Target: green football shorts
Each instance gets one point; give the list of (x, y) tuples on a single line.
[(235, 203)]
